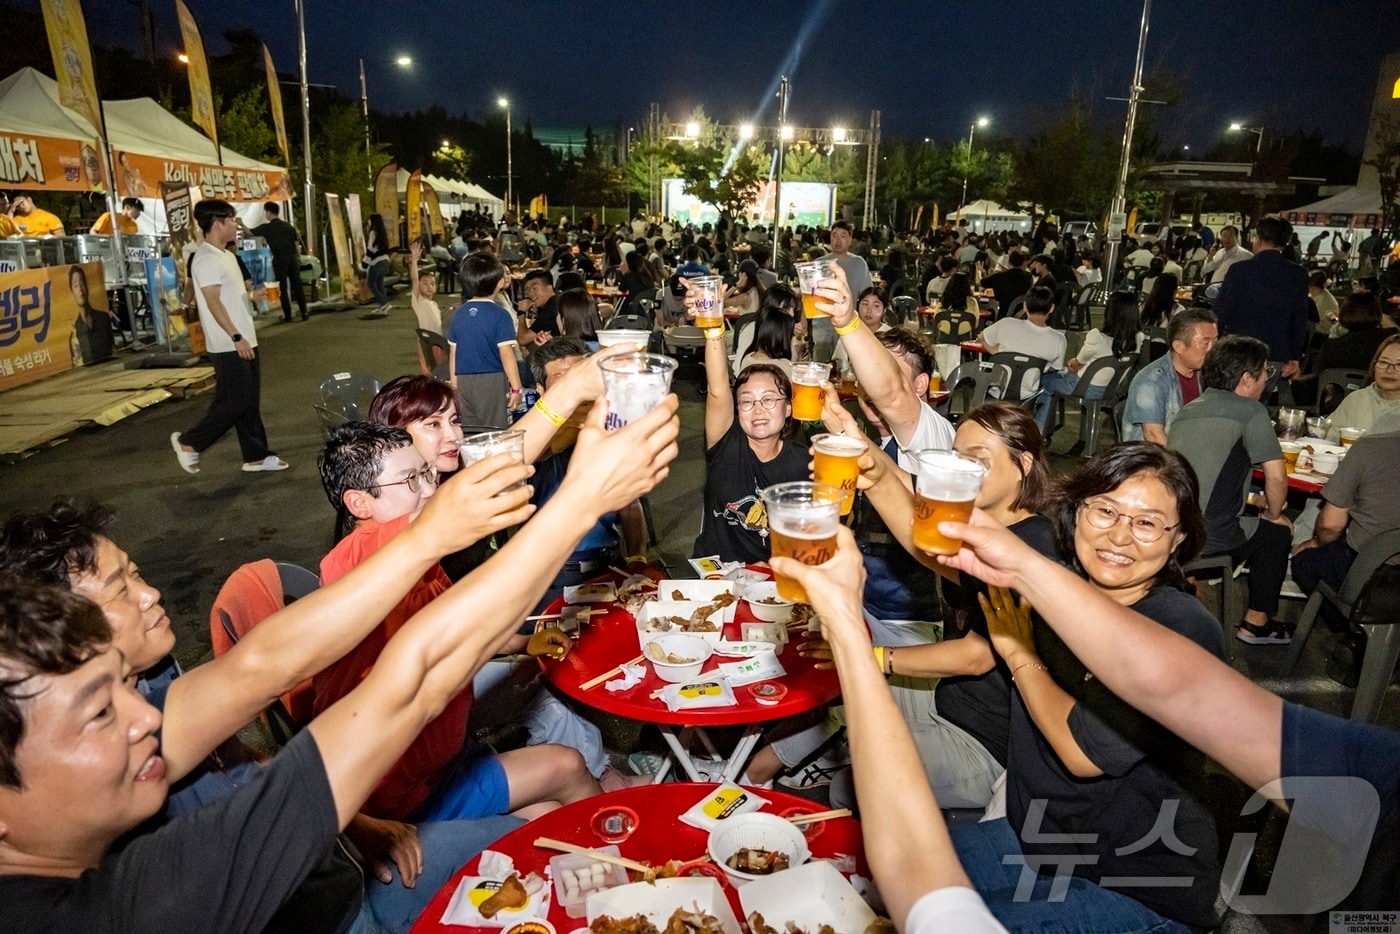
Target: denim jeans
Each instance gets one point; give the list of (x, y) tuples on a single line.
[(1085, 908), (375, 278), (1059, 381)]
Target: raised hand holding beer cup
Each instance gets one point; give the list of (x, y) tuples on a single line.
[(803, 519), (832, 296), (834, 586), (946, 485)]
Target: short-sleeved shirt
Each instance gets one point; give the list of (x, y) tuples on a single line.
[(1096, 345), (547, 318), (1224, 437), (478, 329), (1020, 336), (734, 523), (857, 272), (409, 782), (104, 224), (213, 266), (281, 237), (200, 873), (1145, 768), (1361, 409), (428, 313), (38, 223), (1364, 484), (981, 704)]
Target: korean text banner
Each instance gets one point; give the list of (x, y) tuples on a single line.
[(202, 98), (140, 176), (72, 62), (274, 96), (49, 164), (51, 320)]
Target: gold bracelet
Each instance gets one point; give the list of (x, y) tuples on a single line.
[(846, 329), (889, 660), (1036, 665), (551, 416), (712, 333)]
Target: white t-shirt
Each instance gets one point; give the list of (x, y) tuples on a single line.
[(954, 908), (1098, 344), (213, 266), (1021, 336), (1140, 257), (428, 312), (933, 432)]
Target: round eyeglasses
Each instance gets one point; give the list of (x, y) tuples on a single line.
[(1146, 528), (769, 403), (415, 482)]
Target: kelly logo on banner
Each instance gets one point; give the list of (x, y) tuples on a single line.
[(51, 320), (413, 207), (201, 97), (386, 201), (72, 61), (274, 96), (349, 282)]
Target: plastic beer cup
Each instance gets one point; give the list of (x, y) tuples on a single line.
[(709, 302), (836, 462), (634, 384), (802, 522), (946, 485), (1349, 436), (489, 443), (808, 275), (807, 380), (274, 293)]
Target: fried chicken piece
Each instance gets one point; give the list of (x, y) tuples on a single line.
[(637, 924), (511, 894)]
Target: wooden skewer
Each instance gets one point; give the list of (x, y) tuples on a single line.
[(819, 816), (547, 843), (607, 675)]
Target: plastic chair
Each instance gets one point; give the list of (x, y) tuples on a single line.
[(1348, 379), (252, 593), (905, 309), (1016, 309), (1223, 565), (434, 353), (1020, 364), (628, 323), (983, 376), (1090, 409), (953, 326), (1382, 641), (1069, 313), (1192, 273), (348, 395)]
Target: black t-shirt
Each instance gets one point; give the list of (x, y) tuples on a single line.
[(226, 868), (734, 524), (1007, 286), (547, 318), (281, 238), (981, 704), (1147, 771)]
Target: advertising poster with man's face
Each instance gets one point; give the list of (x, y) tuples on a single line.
[(51, 320)]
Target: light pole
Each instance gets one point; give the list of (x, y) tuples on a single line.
[(510, 163), (403, 61), (1257, 131), (1118, 208), (982, 122), (309, 189)]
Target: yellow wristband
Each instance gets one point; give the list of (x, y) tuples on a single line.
[(880, 657), (855, 323), (553, 417), (712, 333)]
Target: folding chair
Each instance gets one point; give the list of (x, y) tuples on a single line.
[(1020, 364), (434, 354), (1090, 409), (349, 394)]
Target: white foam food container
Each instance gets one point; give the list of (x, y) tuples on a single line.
[(700, 592), (659, 900), (660, 609), (567, 868), (808, 896)]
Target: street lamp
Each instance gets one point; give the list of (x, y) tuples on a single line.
[(746, 131), (403, 61), (1257, 131), (510, 163), (982, 122)]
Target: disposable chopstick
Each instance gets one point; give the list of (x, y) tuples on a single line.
[(583, 611), (607, 675), (548, 843), (819, 816)]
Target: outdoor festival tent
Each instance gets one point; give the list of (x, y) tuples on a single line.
[(1355, 209), (456, 196), (986, 216)]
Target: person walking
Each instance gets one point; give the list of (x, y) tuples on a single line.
[(227, 316), (285, 243)]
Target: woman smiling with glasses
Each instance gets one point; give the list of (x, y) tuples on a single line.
[(748, 428), (1093, 787)]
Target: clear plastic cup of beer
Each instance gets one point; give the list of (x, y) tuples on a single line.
[(808, 275), (836, 462), (807, 380), (490, 443), (946, 485), (709, 301), (634, 384), (802, 522)]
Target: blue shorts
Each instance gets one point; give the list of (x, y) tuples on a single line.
[(473, 786)]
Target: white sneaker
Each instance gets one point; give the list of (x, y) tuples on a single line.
[(816, 774)]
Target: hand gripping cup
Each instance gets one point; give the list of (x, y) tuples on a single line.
[(807, 379), (836, 462), (946, 485), (808, 275), (709, 301), (634, 384), (802, 522), (489, 443)]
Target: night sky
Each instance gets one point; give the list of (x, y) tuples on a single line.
[(929, 67)]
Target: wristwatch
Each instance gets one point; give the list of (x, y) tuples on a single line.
[(237, 337)]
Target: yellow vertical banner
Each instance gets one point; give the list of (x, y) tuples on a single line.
[(434, 209), (413, 208), (274, 97), (201, 97), (349, 288), (357, 228), (386, 201), (72, 61)]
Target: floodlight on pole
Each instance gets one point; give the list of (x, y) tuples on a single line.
[(971, 131), (182, 58), (510, 160), (692, 130), (403, 61), (786, 133), (746, 131), (1258, 131), (838, 134)]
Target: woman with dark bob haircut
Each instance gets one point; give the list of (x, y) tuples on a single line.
[(1083, 765)]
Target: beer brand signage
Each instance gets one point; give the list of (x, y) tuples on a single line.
[(48, 163), (41, 329), (138, 176)]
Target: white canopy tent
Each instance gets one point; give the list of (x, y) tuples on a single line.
[(1353, 212), (456, 196), (985, 216)]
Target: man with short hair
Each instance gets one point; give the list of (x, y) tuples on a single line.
[(1225, 434), (1035, 337), (1161, 388), (131, 210), (946, 266), (7, 223), (763, 256), (1011, 283), (857, 276), (1267, 297), (285, 243), (1224, 254), (33, 221), (1040, 269), (226, 312), (540, 299)]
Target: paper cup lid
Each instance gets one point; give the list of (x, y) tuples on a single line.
[(768, 693)]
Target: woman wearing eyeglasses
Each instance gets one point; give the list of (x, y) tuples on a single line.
[(748, 431), (1095, 789)]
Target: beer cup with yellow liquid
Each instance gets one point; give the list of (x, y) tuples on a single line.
[(802, 522), (807, 379), (709, 301), (836, 462), (808, 275), (946, 485)]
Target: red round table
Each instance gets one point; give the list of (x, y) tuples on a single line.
[(611, 638), (659, 837)]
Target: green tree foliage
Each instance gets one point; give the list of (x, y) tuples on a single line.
[(1067, 168), (595, 179)]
